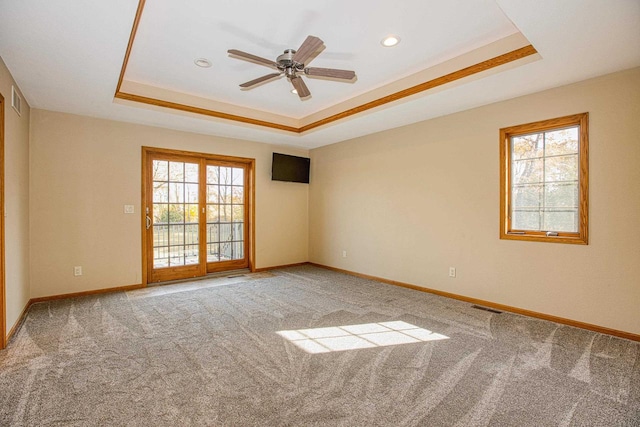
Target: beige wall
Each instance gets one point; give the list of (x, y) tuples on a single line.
[(408, 203), (16, 193), (83, 171)]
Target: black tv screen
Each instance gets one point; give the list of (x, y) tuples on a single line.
[(290, 168)]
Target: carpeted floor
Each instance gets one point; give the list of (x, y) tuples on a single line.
[(272, 350)]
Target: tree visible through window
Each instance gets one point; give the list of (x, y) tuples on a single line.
[(544, 180)]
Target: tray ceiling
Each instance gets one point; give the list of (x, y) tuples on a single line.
[(73, 56), (168, 38)]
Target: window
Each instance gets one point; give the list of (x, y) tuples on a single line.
[(544, 180)]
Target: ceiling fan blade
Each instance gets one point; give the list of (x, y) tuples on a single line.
[(307, 48), (300, 86), (259, 80), (330, 72), (249, 57)]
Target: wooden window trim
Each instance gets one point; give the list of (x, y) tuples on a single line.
[(506, 232)]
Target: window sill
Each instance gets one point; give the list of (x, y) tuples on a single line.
[(575, 240)]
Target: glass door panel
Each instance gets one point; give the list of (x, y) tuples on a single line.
[(225, 236), (175, 225)]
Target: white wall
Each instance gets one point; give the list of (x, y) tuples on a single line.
[(84, 170), (406, 204), (16, 193)]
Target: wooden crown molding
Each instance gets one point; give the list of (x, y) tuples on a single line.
[(479, 67)]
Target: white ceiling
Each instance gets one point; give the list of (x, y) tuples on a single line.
[(66, 55)]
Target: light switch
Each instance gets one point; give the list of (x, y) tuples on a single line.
[(129, 209)]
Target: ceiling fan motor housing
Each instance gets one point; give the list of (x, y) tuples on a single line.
[(287, 64)]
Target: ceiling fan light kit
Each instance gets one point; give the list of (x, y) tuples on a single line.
[(292, 64)]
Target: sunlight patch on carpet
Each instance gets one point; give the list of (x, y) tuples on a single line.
[(353, 337)]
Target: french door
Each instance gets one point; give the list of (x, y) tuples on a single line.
[(197, 214)]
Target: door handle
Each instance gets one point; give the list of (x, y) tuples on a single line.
[(148, 222)]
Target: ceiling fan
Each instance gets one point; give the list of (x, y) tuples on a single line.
[(293, 64)]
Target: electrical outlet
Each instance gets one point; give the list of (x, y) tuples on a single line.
[(77, 271), (129, 209), (452, 272), (344, 254)]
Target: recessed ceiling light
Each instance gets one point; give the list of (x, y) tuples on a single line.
[(390, 41), (293, 91), (202, 62)]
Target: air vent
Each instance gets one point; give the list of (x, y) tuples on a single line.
[(236, 275), (491, 310), (16, 101)]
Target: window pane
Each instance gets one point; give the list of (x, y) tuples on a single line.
[(176, 192), (238, 250), (213, 252), (191, 254), (160, 170), (176, 255), (160, 235), (191, 172), (527, 146), (160, 192), (525, 220), (212, 174), (238, 176), (564, 141), (213, 233), (238, 230), (192, 193), (191, 235), (225, 213), (237, 213), (238, 195), (160, 214), (527, 196), (160, 257), (225, 251), (212, 213), (561, 195), (176, 214), (176, 171), (225, 176), (526, 171), (225, 194), (561, 168), (561, 220), (176, 234), (212, 194), (191, 214), (225, 233)]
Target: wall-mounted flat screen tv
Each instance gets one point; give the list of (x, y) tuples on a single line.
[(290, 168)]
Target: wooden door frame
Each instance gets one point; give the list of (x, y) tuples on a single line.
[(249, 193), (3, 305)]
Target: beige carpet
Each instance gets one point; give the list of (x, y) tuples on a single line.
[(307, 347)]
